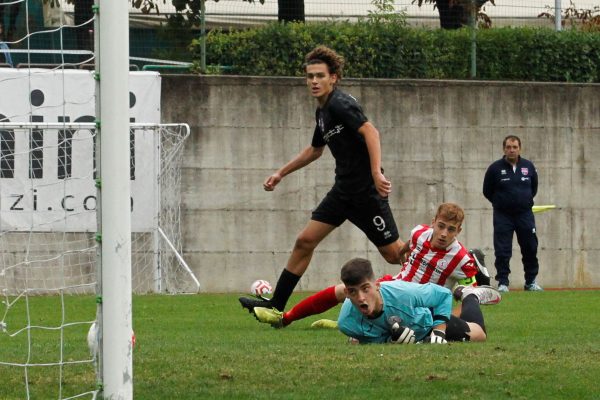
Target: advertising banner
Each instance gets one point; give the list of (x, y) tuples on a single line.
[(48, 176)]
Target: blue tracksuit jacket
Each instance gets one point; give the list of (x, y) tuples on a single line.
[(508, 191)]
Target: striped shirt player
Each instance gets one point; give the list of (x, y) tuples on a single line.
[(445, 267)]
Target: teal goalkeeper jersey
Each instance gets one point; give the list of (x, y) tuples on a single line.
[(420, 306)]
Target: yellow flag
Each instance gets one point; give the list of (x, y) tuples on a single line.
[(539, 209)]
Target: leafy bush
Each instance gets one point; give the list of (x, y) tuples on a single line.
[(375, 49)]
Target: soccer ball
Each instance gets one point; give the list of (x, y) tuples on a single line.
[(261, 288), (93, 344), (91, 340)]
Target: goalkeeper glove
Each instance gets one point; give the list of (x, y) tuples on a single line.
[(436, 336), (400, 334)]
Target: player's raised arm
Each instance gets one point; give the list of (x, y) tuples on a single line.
[(371, 135), (302, 159)]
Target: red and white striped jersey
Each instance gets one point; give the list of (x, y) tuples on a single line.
[(443, 267)]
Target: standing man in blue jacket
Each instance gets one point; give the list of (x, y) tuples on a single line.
[(510, 184)]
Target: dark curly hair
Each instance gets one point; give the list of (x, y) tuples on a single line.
[(325, 55)]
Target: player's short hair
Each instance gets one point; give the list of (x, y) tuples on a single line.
[(325, 55), (511, 137), (356, 271), (450, 212)]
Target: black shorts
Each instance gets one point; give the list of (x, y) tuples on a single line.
[(368, 211), (457, 329)]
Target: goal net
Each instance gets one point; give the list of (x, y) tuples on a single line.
[(48, 202), (66, 98), (157, 262), (48, 243)]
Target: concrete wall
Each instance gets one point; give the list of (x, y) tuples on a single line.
[(438, 138)]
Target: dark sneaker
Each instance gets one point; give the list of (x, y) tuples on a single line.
[(483, 275), (479, 257), (249, 303)]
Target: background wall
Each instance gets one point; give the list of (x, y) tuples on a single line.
[(438, 138)]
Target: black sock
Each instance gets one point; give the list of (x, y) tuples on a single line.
[(284, 288), (471, 311)]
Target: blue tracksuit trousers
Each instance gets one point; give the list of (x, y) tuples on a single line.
[(523, 224)]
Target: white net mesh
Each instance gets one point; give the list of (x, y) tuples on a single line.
[(48, 247), (47, 234), (157, 262), (48, 200)]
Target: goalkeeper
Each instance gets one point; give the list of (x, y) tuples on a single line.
[(405, 312)]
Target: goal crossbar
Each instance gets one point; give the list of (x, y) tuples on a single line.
[(83, 125)]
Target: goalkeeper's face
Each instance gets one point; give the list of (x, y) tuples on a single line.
[(366, 298)]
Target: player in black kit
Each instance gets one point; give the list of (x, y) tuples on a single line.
[(360, 192)]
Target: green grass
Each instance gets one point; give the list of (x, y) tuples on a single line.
[(540, 346)]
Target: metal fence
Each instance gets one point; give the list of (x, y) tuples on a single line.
[(32, 28), (238, 13)]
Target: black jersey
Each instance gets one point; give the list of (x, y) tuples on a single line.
[(338, 122)]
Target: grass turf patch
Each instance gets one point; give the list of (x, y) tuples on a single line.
[(540, 345)]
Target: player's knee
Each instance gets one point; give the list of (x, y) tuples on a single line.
[(305, 243), (476, 333), (340, 295)]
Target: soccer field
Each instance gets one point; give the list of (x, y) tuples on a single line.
[(541, 346)]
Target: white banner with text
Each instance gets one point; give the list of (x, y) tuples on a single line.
[(48, 176)]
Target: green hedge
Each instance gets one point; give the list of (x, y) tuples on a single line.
[(389, 50)]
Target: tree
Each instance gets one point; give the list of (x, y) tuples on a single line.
[(288, 10), (454, 14), (82, 13), (586, 19)]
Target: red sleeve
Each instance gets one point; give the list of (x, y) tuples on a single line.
[(469, 268)]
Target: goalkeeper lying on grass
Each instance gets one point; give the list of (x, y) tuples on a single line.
[(406, 312)]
